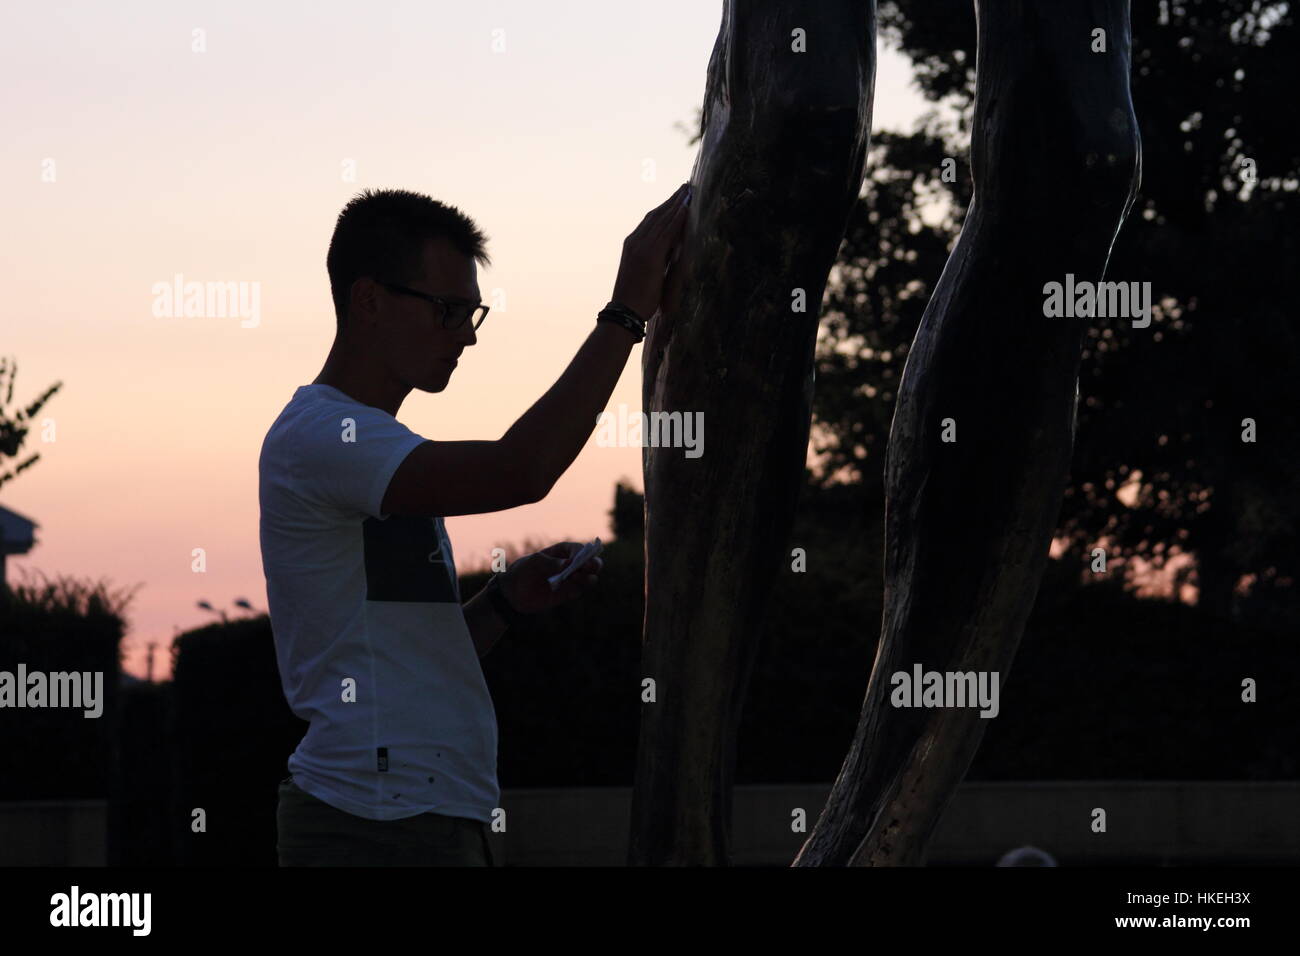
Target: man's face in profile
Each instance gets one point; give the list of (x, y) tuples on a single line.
[(409, 331)]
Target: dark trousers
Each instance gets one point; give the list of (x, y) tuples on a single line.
[(312, 833)]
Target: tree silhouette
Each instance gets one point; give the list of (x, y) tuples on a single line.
[(14, 429)]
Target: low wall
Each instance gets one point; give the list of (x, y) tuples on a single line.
[(1166, 823), (53, 833), (1147, 823)]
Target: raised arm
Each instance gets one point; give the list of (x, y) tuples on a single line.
[(474, 477)]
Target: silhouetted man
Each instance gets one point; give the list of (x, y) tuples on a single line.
[(375, 648)]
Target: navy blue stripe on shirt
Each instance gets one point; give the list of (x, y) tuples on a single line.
[(405, 561)]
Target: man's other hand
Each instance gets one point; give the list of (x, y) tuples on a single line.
[(525, 583)]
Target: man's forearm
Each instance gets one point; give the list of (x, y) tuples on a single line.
[(551, 433), (485, 626)]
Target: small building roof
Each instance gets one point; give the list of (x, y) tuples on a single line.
[(16, 535)]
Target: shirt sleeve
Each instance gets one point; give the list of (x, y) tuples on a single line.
[(348, 454)]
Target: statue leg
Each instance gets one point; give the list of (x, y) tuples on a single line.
[(980, 445), (786, 121)]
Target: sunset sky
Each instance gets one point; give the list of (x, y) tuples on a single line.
[(131, 157)]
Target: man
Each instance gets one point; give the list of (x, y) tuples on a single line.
[(375, 649)]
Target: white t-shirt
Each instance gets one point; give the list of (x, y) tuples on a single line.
[(370, 636)]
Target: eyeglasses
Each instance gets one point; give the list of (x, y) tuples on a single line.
[(454, 313)]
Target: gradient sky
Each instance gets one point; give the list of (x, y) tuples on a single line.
[(227, 165)]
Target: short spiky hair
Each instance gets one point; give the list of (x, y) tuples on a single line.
[(381, 233)]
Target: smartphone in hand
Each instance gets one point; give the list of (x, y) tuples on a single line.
[(585, 553)]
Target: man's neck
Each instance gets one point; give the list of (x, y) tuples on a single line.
[(364, 388)]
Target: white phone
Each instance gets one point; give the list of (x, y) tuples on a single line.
[(585, 553)]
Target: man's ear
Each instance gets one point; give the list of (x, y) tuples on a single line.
[(363, 298)]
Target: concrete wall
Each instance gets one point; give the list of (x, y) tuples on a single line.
[(1149, 823), (53, 833), (1175, 823)]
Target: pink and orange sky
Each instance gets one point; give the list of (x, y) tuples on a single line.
[(131, 155)]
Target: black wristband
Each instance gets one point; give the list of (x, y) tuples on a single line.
[(622, 315), (501, 604), (614, 305)]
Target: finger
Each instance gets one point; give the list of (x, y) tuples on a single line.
[(673, 258), (666, 210), (576, 585), (674, 207), (667, 203), (683, 209), (654, 219), (569, 590), (669, 227), (554, 565)]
